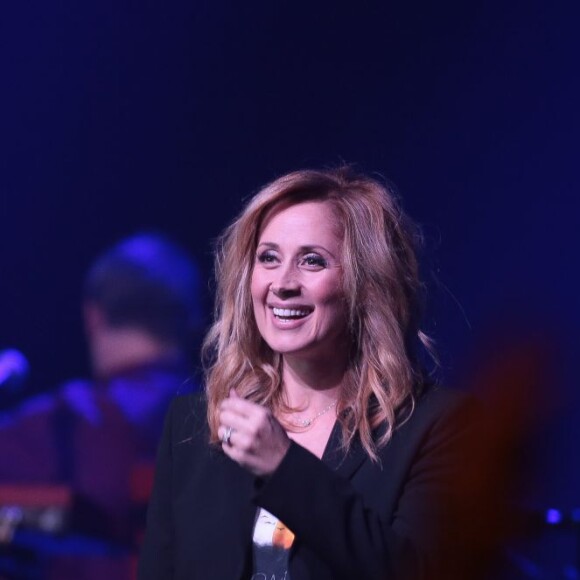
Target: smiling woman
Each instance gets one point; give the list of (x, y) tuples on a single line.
[(316, 412)]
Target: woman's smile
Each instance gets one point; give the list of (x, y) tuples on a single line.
[(290, 313)]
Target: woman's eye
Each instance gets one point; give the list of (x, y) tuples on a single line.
[(266, 258), (315, 261)]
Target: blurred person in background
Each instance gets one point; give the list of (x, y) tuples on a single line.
[(142, 312)]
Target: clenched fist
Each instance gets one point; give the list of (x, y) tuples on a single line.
[(251, 435)]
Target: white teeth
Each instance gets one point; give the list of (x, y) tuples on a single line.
[(287, 313)]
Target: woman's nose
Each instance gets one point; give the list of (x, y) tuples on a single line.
[(284, 291), (286, 284)]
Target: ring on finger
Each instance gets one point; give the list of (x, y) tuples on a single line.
[(227, 436)]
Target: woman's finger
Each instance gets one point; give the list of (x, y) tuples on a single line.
[(243, 407), (231, 419)]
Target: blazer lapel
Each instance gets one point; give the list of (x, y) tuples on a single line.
[(345, 464)]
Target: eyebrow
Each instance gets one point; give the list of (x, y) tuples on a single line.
[(301, 249)]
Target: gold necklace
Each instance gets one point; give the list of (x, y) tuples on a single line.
[(307, 422)]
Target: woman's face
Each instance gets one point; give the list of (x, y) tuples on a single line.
[(296, 283)]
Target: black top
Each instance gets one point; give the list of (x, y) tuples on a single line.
[(352, 517)]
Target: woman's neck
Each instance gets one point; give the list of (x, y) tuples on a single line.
[(311, 384), (311, 389)]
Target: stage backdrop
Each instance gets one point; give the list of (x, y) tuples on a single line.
[(120, 116)]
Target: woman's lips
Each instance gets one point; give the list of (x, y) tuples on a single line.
[(291, 312), (290, 317)]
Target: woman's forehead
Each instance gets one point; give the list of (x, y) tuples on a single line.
[(314, 216)]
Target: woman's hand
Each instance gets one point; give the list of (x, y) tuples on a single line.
[(256, 439)]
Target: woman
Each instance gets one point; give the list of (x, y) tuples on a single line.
[(318, 450)]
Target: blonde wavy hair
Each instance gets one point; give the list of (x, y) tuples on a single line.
[(381, 286)]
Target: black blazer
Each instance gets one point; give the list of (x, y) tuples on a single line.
[(352, 517)]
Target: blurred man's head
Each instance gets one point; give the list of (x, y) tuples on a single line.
[(141, 303)]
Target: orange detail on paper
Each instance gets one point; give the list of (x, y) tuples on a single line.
[(282, 536)]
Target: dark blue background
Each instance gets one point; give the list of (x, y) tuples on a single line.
[(118, 116)]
